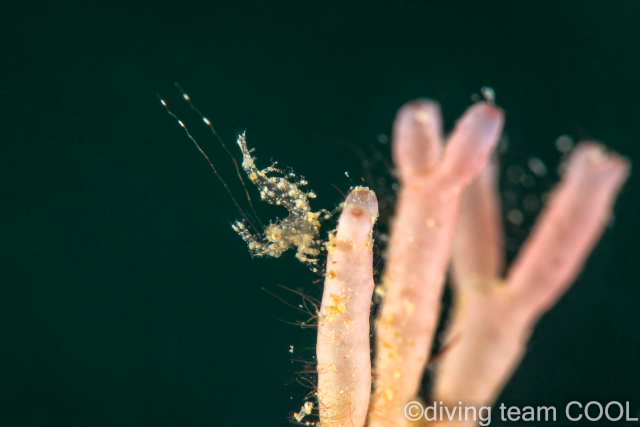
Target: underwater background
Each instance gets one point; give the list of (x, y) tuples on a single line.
[(125, 296)]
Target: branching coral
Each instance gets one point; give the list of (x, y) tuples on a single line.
[(448, 210)]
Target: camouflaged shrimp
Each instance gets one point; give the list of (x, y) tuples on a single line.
[(300, 229)]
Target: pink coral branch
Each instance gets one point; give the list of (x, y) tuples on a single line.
[(494, 318), (478, 248), (344, 366), (569, 227), (420, 244)]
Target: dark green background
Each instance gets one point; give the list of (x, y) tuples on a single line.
[(127, 300)]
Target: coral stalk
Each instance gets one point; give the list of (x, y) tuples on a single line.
[(344, 365), (492, 317), (432, 178)]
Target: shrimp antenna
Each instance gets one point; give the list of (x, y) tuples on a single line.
[(233, 159), (286, 302), (213, 168)]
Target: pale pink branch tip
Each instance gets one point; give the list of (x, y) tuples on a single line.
[(344, 366), (569, 227)]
